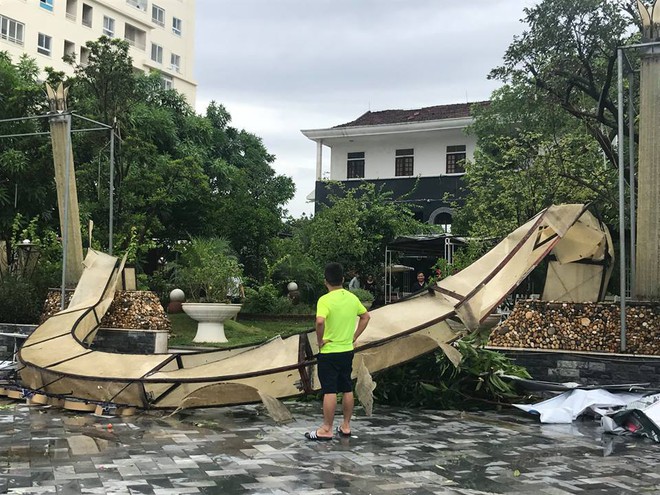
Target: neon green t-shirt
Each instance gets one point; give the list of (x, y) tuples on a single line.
[(340, 308)]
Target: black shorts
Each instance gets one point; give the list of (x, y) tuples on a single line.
[(335, 370)]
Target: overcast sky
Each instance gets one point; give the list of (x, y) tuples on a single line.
[(280, 66)]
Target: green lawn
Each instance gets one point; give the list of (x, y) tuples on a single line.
[(238, 333)]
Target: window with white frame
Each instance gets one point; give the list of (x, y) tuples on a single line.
[(108, 26), (176, 25), (456, 159), (404, 162), (84, 56), (158, 15), (71, 9), (70, 49), (166, 81), (11, 30), (157, 53), (44, 44), (46, 4), (355, 165), (175, 62), (87, 15)]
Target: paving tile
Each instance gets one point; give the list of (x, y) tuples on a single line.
[(240, 450)]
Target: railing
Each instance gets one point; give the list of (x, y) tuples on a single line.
[(11, 39), (140, 45), (71, 17)]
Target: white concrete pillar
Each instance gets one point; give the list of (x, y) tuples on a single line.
[(319, 159)]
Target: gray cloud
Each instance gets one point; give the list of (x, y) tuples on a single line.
[(284, 65)]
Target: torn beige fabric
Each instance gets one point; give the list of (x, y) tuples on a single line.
[(364, 386), (278, 411), (56, 359)]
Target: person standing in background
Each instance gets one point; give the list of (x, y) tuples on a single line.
[(420, 283), (235, 290), (370, 285), (355, 281)]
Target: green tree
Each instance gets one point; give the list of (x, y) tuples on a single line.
[(108, 78), (26, 166), (569, 54), (252, 195), (355, 229), (530, 154), (177, 174)]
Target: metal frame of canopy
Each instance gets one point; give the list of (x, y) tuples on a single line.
[(418, 246)]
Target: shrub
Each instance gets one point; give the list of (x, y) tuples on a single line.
[(260, 300), (285, 306), (363, 295), (267, 300), (206, 270), (20, 301), (302, 270)]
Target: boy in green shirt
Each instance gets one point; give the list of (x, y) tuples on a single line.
[(336, 332)]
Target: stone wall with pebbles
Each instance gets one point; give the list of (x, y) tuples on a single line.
[(591, 327), (129, 309)]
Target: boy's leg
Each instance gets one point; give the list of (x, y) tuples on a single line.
[(348, 403), (345, 385), (329, 406), (328, 378)]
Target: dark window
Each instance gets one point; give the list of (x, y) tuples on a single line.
[(355, 165), (444, 220), (456, 159), (404, 163)]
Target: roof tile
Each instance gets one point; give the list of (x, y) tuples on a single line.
[(438, 112)]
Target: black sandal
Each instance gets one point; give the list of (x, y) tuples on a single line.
[(342, 432), (313, 435)]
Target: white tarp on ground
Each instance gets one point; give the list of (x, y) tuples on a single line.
[(566, 407)]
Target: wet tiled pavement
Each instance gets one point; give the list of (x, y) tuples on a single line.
[(241, 450)]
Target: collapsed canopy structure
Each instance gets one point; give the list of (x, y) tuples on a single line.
[(57, 361)]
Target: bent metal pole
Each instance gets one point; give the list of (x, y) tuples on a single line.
[(65, 181)]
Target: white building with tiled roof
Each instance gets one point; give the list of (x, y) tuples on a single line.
[(161, 34), (395, 148)]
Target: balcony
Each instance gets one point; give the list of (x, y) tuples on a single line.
[(136, 37)]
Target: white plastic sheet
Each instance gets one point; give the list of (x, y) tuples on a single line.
[(565, 408)]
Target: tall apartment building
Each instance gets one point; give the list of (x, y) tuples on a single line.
[(161, 33)]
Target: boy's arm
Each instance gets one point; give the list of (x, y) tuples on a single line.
[(320, 328), (362, 324)]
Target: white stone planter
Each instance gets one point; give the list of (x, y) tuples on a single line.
[(211, 318)]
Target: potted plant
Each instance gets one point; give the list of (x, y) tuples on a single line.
[(365, 297), (208, 272)]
